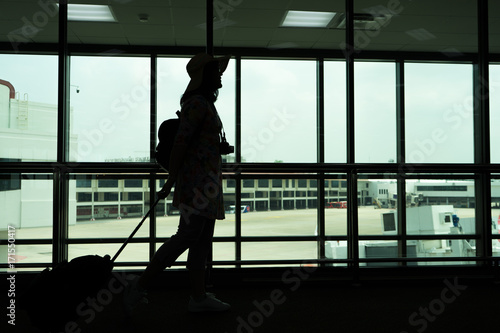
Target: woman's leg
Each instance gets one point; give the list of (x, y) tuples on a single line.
[(198, 256), (188, 233)]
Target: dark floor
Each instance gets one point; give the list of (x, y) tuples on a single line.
[(294, 304)]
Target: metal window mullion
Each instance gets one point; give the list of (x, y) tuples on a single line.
[(352, 219), (320, 125), (321, 216), (482, 134), (238, 186), (401, 159), (320, 110), (60, 183), (352, 213), (349, 53), (152, 147), (237, 245)]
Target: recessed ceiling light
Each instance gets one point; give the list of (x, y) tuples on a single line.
[(307, 19), (96, 13)]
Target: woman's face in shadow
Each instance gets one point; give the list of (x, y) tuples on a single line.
[(212, 77)]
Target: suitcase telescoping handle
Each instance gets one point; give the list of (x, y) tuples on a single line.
[(135, 231)]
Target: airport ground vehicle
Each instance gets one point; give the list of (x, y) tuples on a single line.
[(336, 204), (232, 209)]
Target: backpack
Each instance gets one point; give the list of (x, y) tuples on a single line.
[(166, 137)]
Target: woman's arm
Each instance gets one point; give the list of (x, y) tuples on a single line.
[(176, 159)]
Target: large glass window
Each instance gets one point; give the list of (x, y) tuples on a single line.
[(278, 108), (378, 200), (335, 112), (108, 208), (26, 206), (335, 207), (289, 209), (494, 87), (28, 107), (375, 112), (439, 113), (440, 205), (272, 209), (111, 109)]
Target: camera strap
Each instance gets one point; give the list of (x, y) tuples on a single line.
[(222, 132)]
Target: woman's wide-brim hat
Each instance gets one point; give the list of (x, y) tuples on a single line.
[(196, 65)]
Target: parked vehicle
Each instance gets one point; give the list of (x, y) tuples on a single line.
[(232, 209), (336, 204)]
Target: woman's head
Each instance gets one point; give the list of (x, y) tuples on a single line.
[(205, 72)]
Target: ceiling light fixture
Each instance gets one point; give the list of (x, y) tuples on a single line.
[(307, 19), (95, 13)]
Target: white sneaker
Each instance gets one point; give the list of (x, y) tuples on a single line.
[(208, 304), (132, 295)]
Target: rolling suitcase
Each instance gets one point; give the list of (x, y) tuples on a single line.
[(58, 297)]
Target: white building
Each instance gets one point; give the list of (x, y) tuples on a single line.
[(28, 134)]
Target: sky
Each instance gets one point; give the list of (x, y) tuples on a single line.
[(110, 117)]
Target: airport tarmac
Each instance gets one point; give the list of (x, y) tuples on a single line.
[(267, 223)]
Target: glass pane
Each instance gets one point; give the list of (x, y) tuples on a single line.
[(336, 250), (278, 120), (442, 206), (336, 206), (378, 204), (447, 248), (335, 112), (25, 254), (432, 26), (379, 250), (25, 23), (108, 207), (223, 250), (442, 121), (132, 252), (279, 207), (26, 204), (28, 107), (172, 80), (494, 112), (111, 109), (278, 250), (375, 112)]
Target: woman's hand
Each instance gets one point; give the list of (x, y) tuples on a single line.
[(165, 191)]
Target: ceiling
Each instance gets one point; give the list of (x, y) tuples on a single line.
[(424, 25)]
